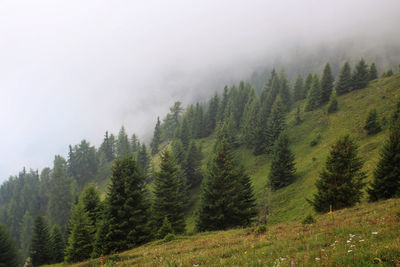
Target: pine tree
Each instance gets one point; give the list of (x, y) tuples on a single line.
[(283, 170), (333, 103), (40, 252), (168, 195), (184, 133), (166, 228), (307, 85), (8, 251), (192, 166), (386, 182), (26, 234), (276, 122), (314, 95), (135, 144), (107, 147), (143, 159), (227, 198), (360, 76), (372, 125), (326, 84), (156, 137), (344, 84), (249, 123), (211, 114), (123, 146), (372, 73), (57, 244), (178, 152), (80, 240), (284, 90), (90, 200), (340, 183), (298, 88)]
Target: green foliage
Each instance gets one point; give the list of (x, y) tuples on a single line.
[(57, 244), (276, 122), (298, 118), (227, 197), (90, 200), (283, 169), (108, 147), (344, 83), (249, 123), (135, 143), (340, 183), (373, 73), (307, 85), (360, 76), (168, 195), (40, 250), (143, 159), (315, 140), (372, 125), (298, 89), (26, 234), (314, 95), (211, 114), (387, 73), (80, 240), (156, 141), (333, 103), (284, 91), (386, 183), (260, 229), (192, 166), (169, 237), (327, 81), (122, 145), (165, 228), (178, 152), (8, 251), (309, 219)]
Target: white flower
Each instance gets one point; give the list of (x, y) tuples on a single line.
[(348, 241), (352, 246), (362, 240), (349, 251), (374, 233), (317, 259)]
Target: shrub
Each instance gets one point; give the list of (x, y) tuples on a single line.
[(316, 140), (169, 237), (260, 229), (309, 219)]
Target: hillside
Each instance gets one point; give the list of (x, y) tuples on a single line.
[(289, 204), (365, 235)]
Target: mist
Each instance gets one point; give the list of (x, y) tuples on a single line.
[(70, 70)]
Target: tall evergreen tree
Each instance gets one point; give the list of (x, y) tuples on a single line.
[(340, 183), (135, 144), (83, 163), (123, 146), (360, 76), (8, 251), (184, 133), (80, 240), (211, 114), (372, 125), (178, 152), (57, 244), (223, 104), (276, 122), (284, 90), (372, 73), (198, 127), (40, 252), (107, 147), (314, 95), (155, 142), (326, 84), (26, 234), (143, 159), (344, 83), (283, 169), (90, 200), (227, 198), (168, 197), (249, 123), (386, 182), (307, 85), (333, 103), (298, 88), (192, 166)]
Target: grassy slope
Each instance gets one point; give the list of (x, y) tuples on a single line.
[(327, 242)]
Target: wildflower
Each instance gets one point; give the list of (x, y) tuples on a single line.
[(387, 246), (259, 262), (196, 265), (322, 249), (352, 246), (351, 235), (374, 233), (348, 241), (252, 246), (317, 259), (245, 252), (349, 251), (362, 240)]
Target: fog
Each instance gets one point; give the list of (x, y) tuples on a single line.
[(70, 70)]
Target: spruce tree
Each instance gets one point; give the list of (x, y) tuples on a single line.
[(307, 85), (8, 251), (314, 95), (178, 152), (165, 229), (283, 169), (192, 166), (57, 244), (40, 252), (184, 133), (284, 90), (168, 195), (123, 146), (372, 125), (211, 114), (227, 198), (326, 84), (372, 73), (386, 182), (156, 137), (248, 128), (90, 200), (276, 122), (360, 76), (26, 233), (344, 84), (340, 183), (80, 240), (143, 159), (333, 103), (298, 89)]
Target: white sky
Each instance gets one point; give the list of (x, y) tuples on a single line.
[(70, 70)]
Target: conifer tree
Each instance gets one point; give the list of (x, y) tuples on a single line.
[(276, 122), (227, 131), (135, 144), (340, 183), (326, 84), (372, 73), (284, 91), (198, 127), (249, 123), (387, 73), (386, 182), (314, 95), (227, 198), (333, 103), (57, 244), (360, 76), (178, 152), (26, 233), (223, 104), (90, 200), (298, 118), (8, 251), (80, 240), (298, 88), (107, 147), (168, 194), (211, 114), (192, 166), (184, 133), (156, 137), (143, 159), (344, 83), (307, 85), (123, 147), (166, 228), (283, 170), (40, 252), (372, 125)]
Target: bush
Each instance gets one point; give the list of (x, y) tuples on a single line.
[(309, 219), (260, 229), (169, 237), (315, 141)]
